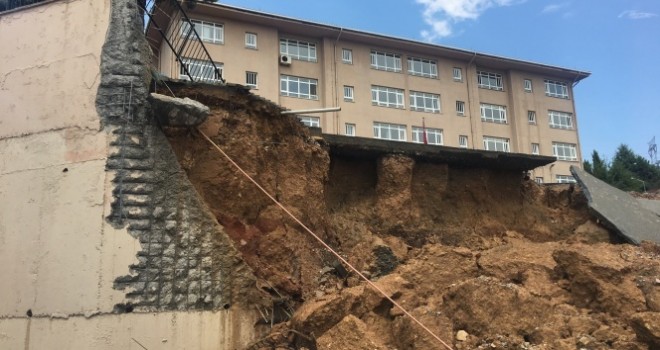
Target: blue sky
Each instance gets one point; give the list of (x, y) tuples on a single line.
[(618, 41)]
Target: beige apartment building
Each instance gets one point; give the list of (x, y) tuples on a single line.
[(390, 88)]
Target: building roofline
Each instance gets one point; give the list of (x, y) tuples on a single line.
[(485, 58)]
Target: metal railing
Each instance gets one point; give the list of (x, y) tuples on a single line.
[(182, 38)]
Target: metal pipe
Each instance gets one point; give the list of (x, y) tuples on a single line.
[(313, 110)]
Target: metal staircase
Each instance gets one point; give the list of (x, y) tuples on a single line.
[(185, 43)]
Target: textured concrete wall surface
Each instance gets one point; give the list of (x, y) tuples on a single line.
[(96, 217)]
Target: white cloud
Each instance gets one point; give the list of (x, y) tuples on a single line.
[(634, 14), (441, 14), (554, 7)]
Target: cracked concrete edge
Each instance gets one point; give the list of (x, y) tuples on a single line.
[(635, 227)]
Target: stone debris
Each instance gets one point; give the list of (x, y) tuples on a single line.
[(181, 112), (461, 335)]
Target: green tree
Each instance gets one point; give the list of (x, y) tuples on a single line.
[(632, 172), (597, 167)]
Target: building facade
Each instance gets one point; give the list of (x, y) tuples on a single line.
[(390, 88)]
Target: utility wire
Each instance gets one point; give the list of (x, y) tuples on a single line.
[(373, 285)]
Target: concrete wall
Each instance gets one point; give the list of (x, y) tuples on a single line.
[(60, 259), (332, 74)]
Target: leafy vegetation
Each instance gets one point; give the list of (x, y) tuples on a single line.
[(627, 171)]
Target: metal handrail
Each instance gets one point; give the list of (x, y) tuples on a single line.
[(185, 43)]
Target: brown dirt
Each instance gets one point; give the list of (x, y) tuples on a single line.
[(514, 264)]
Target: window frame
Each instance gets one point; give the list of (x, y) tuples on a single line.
[(565, 179), (539, 180), (536, 149), (347, 59), (499, 81), (201, 32), (572, 151), (432, 64), (299, 80), (290, 43), (425, 96), (350, 98), (217, 75), (531, 117), (247, 79), (350, 126), (459, 76), (505, 142), (483, 107), (249, 45), (556, 120), (562, 94), (460, 111), (527, 85), (398, 93), (309, 121), (462, 138), (396, 59), (435, 133), (401, 130)]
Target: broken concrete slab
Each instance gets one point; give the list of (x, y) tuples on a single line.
[(618, 210), (172, 111), (650, 204)]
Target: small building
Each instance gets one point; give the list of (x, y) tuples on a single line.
[(387, 88)]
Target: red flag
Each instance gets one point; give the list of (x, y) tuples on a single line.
[(426, 141)]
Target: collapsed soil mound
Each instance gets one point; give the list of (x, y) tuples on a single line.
[(482, 257)]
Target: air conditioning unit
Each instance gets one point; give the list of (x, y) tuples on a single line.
[(285, 60)]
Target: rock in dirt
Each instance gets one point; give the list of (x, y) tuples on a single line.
[(184, 112), (647, 328), (350, 333), (461, 335)]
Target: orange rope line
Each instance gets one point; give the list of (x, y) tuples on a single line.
[(323, 243)]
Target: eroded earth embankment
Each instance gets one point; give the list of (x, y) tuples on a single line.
[(513, 264)]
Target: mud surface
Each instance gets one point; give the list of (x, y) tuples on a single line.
[(477, 255)]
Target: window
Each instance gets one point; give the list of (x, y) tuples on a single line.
[(422, 67), (433, 136), (251, 79), (536, 149), (560, 120), (311, 122), (298, 50), (390, 62), (556, 89), (564, 151), (457, 74), (347, 56), (496, 144), (350, 129), (565, 179), (489, 80), (386, 131), (298, 87), (207, 31), (460, 108), (493, 113), (527, 85), (531, 117), (348, 93), (463, 141), (424, 102), (539, 180), (201, 70), (251, 40), (386, 97)]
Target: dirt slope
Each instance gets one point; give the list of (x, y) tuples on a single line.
[(510, 264)]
